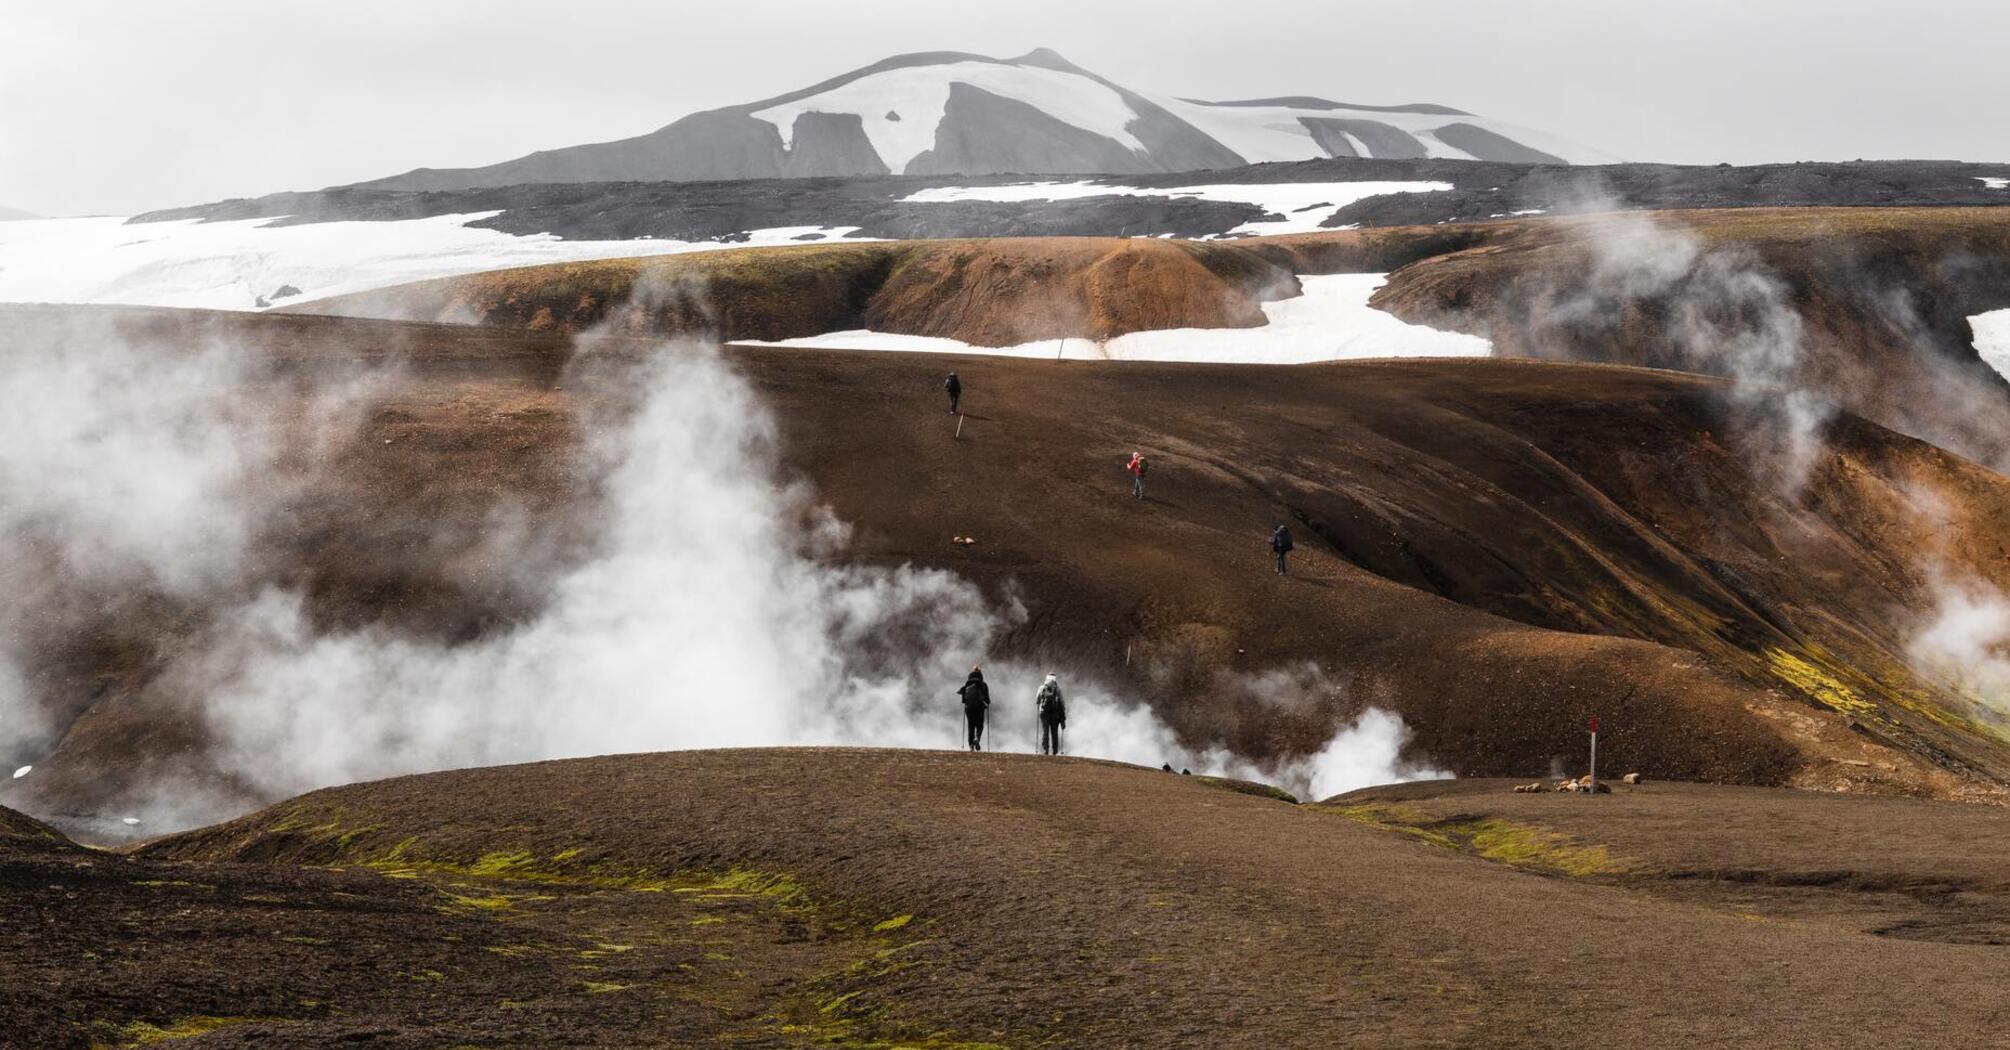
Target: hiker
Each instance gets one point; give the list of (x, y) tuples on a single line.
[(1137, 468), (976, 697), (1053, 715), (954, 387), (1280, 541)]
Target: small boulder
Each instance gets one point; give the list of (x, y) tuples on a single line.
[(1631, 778)]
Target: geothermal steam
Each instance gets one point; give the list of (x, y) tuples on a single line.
[(710, 612), (1722, 309), (712, 615)]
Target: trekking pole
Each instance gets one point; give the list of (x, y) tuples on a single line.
[(959, 426)]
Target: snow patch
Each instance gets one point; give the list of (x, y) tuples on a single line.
[(1993, 182), (1992, 339), (901, 108), (1277, 133), (23, 771), (230, 265), (1297, 201), (1331, 321)]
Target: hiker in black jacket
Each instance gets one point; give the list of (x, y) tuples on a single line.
[(954, 388), (1280, 542), (976, 698)]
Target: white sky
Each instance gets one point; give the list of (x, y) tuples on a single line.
[(122, 105)]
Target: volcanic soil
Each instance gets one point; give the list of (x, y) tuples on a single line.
[(1495, 550), (955, 901), (1864, 307)]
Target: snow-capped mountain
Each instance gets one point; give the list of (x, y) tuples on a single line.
[(951, 113)]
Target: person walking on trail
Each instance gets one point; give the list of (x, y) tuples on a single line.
[(976, 698), (1053, 715), (1280, 543), (954, 388), (1137, 468)]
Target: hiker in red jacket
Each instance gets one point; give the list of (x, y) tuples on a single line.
[(1137, 468)]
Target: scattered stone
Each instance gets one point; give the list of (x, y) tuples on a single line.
[(963, 541), (283, 291), (1631, 778)]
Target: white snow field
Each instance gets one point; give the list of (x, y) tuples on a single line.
[(229, 265), (1304, 205), (901, 107), (1992, 339), (1331, 321)]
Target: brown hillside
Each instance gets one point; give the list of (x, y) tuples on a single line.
[(21, 831), (1493, 549), (798, 898), (1880, 296), (987, 292)]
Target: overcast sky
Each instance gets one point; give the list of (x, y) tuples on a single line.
[(121, 105)]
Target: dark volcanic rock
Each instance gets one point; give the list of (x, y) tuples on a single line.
[(1490, 145), (694, 210), (1384, 140), (989, 134), (831, 144)]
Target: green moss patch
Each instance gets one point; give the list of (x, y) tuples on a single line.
[(144, 1033), (1496, 839)]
